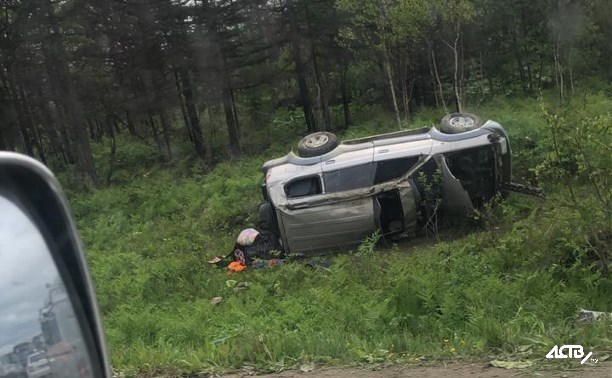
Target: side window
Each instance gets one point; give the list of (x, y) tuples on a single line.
[(359, 176), (304, 187), (387, 170)]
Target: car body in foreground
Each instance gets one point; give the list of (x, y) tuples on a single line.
[(51, 315), (335, 195)]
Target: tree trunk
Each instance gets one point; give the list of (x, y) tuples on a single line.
[(569, 68), (21, 119), (388, 71), (32, 121), (113, 150), (42, 155), (543, 59), (456, 84), (433, 78), (58, 140), (345, 98), (406, 93), (39, 145), (230, 120), (8, 139), (94, 128), (322, 105), (519, 61), (179, 92), (299, 70), (24, 123), (27, 140), (253, 109), (195, 130), (151, 121), (526, 54), (5, 143), (482, 77), (57, 69), (212, 133), (435, 67), (462, 71), (558, 72), (130, 123), (229, 107), (234, 109), (165, 126)]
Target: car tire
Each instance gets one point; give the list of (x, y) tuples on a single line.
[(456, 123), (317, 144)]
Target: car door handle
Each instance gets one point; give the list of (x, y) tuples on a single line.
[(330, 161), (383, 151)]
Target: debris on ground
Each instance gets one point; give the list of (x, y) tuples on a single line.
[(215, 260), (235, 267), (588, 316), (216, 301), (307, 367), (511, 364)]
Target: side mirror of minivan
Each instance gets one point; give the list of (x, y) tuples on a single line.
[(49, 319)]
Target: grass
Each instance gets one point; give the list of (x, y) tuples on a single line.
[(517, 280)]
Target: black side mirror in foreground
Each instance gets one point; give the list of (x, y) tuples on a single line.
[(49, 319)]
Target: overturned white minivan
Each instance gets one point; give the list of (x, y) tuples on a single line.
[(334, 195)]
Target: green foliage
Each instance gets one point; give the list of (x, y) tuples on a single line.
[(382, 22), (518, 281), (368, 245), (453, 12), (581, 161), (582, 152), (431, 201)]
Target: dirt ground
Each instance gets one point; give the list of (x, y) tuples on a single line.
[(451, 370)]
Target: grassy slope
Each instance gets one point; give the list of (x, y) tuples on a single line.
[(517, 281)]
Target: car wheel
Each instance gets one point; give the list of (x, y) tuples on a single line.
[(317, 144), (456, 123)]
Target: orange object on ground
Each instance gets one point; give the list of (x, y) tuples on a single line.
[(235, 267)]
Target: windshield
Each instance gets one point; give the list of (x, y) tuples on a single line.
[(475, 169)]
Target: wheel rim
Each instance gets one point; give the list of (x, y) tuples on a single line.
[(316, 141), (462, 122)]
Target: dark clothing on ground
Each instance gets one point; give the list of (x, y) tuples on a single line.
[(265, 247)]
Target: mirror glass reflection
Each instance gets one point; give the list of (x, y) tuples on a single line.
[(39, 333)]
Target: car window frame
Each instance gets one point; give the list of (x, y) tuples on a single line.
[(417, 159), (369, 170), (302, 178)]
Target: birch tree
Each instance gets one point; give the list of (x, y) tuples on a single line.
[(385, 27)]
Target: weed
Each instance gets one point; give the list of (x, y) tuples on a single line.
[(368, 245), (430, 202)]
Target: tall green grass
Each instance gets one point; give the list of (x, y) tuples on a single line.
[(517, 280)]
